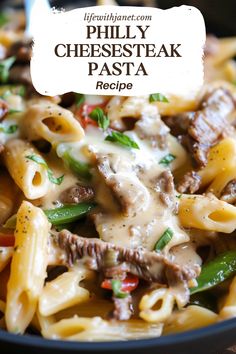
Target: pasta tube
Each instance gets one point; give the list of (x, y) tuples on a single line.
[(189, 318), (221, 158), (207, 213), (7, 195), (28, 267), (31, 178), (63, 292), (51, 122), (148, 301), (97, 329), (229, 308)]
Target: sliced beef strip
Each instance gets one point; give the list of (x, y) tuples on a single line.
[(190, 183), (164, 186), (204, 128), (3, 109), (123, 308), (153, 129), (179, 124), (150, 266), (76, 194), (119, 176), (229, 192)]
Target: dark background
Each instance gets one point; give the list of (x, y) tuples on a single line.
[(220, 15)]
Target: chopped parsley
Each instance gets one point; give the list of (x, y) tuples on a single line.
[(9, 130), (8, 90), (100, 117), (39, 160), (3, 19), (5, 66), (166, 160), (79, 99), (116, 288), (13, 111), (122, 139), (164, 240), (157, 97)]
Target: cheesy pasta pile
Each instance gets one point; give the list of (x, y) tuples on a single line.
[(117, 215)]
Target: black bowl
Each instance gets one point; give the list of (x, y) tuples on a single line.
[(211, 339), (220, 19)]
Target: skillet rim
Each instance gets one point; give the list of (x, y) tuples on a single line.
[(163, 341)]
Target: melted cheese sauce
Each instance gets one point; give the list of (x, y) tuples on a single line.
[(52, 199), (149, 218)]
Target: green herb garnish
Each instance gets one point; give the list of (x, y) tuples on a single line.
[(122, 139), (5, 66), (13, 111), (100, 117), (166, 160), (116, 288), (164, 240), (3, 19), (79, 99), (38, 159), (9, 130), (157, 97), (7, 90)]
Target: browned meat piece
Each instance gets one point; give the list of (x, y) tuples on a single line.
[(190, 183), (20, 74), (153, 129), (150, 266), (166, 190), (205, 127), (211, 45), (179, 124), (76, 194), (22, 50), (122, 309), (229, 192), (3, 109), (209, 124), (119, 176), (1, 148)]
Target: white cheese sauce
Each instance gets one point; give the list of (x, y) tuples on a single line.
[(149, 217)]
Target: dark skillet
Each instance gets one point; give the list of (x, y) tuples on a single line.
[(220, 18)]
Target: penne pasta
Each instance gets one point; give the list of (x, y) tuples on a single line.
[(63, 292), (7, 197), (207, 213), (31, 177), (80, 328), (28, 267), (149, 301), (52, 123), (229, 307), (189, 318), (99, 238)]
